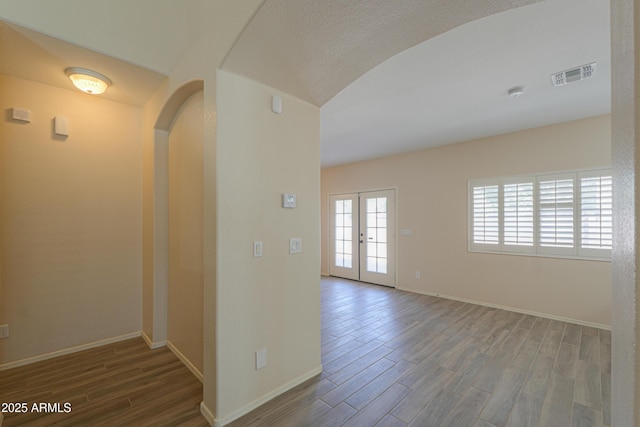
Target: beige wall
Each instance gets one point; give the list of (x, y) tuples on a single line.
[(269, 302), (70, 221), (432, 202), (185, 293)]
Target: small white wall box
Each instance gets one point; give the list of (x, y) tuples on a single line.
[(261, 358), (288, 201), (61, 125), (21, 114), (276, 104)]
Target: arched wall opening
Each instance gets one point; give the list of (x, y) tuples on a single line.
[(178, 226), (185, 270)]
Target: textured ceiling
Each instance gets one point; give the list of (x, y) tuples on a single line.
[(454, 87), (390, 75), (313, 49)]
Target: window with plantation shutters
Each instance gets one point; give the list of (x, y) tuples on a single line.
[(486, 215), (596, 213), (556, 216), (560, 215), (518, 215)]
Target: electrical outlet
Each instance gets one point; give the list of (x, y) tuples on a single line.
[(4, 331), (417, 274)]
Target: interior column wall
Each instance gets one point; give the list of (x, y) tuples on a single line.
[(199, 63), (270, 302), (625, 358)]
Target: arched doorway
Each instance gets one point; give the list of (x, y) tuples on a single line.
[(178, 226)]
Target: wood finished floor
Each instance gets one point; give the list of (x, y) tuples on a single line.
[(122, 384), (395, 359), (390, 358)]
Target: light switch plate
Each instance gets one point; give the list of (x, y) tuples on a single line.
[(295, 245), (261, 358), (257, 248)]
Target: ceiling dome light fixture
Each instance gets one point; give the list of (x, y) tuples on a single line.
[(515, 92), (88, 81)]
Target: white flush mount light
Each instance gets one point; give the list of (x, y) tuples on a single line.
[(88, 81), (515, 92)]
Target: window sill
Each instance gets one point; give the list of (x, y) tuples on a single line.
[(536, 255)]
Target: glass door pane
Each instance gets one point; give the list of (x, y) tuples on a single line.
[(377, 236), (377, 226), (343, 233), (343, 223)]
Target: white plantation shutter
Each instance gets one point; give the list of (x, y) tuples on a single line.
[(556, 214), (485, 222), (518, 228), (596, 213), (566, 215)]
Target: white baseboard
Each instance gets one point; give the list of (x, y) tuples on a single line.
[(223, 421), (66, 351), (324, 274), (513, 309), (206, 413), (152, 345), (195, 371)]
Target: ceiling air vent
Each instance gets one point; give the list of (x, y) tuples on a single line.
[(574, 74)]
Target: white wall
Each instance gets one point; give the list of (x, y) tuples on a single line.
[(432, 202), (70, 221), (269, 302)]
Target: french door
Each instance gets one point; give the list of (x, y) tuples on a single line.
[(362, 236)]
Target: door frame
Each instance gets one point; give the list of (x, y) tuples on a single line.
[(394, 237)]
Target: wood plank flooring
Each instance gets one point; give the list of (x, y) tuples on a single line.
[(390, 358), (122, 384), (398, 359)]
